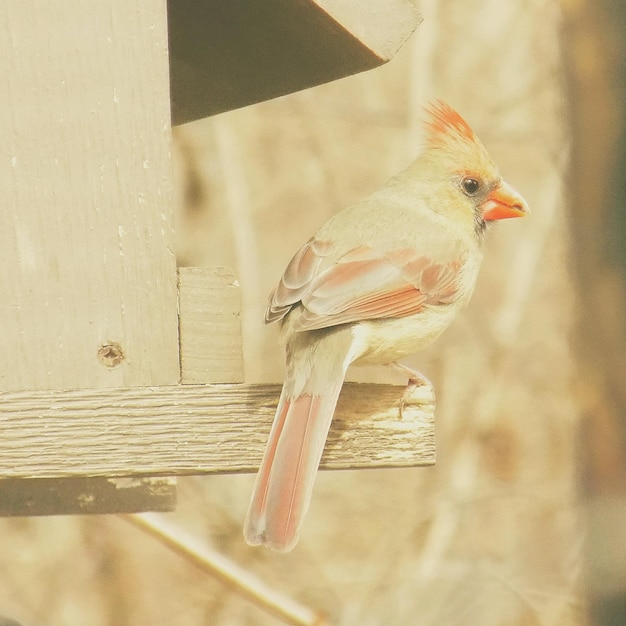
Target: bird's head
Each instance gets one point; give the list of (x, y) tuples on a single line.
[(459, 166)]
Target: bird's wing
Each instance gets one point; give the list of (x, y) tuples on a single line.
[(365, 283), (297, 278)]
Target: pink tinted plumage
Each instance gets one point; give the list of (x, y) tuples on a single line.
[(364, 283)]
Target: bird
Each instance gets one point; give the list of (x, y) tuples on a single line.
[(379, 281)]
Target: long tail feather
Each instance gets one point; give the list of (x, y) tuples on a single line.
[(285, 480), (253, 526)]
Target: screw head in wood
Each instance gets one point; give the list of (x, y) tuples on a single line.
[(110, 354)]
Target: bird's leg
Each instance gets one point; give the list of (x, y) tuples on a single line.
[(416, 380)]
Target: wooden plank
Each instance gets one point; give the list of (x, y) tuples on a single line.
[(88, 290), (209, 305), (225, 55), (72, 496), (197, 429)]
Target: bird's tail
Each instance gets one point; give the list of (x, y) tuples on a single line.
[(285, 480)]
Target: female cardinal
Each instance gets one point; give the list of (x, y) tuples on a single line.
[(379, 281)]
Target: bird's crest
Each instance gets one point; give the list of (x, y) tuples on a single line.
[(446, 124)]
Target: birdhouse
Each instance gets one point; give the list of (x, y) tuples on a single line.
[(120, 371)]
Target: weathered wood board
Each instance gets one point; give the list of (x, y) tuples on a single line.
[(209, 305), (84, 496), (197, 429), (86, 196)]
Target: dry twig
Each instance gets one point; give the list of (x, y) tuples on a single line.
[(226, 571)]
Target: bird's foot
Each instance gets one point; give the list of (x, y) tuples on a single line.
[(419, 389)]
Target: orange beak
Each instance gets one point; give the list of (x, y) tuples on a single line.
[(504, 202)]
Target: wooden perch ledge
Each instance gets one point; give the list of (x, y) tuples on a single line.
[(197, 429)]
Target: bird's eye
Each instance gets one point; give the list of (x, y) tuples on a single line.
[(470, 186)]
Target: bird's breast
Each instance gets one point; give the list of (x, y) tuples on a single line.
[(383, 341)]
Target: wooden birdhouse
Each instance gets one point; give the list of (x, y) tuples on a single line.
[(118, 371)]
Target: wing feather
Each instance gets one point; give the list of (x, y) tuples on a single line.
[(364, 283)]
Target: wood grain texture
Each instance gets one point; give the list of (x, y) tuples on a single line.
[(197, 429), (85, 195), (81, 496), (209, 305)]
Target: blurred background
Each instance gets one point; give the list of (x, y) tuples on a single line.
[(522, 522)]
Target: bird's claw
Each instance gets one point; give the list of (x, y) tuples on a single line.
[(419, 390)]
